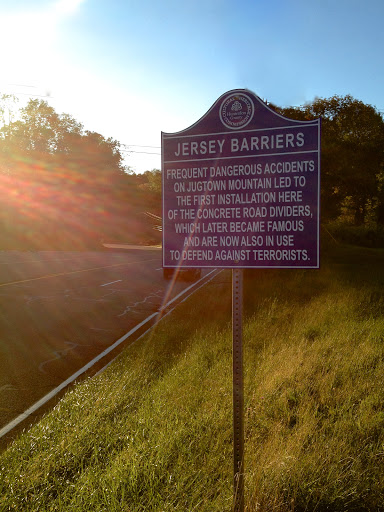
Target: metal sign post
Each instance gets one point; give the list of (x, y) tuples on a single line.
[(241, 189), (238, 390)]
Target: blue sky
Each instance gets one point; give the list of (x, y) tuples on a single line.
[(130, 69)]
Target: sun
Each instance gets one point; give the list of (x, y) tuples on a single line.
[(30, 37)]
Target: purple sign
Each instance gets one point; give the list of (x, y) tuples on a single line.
[(241, 189)]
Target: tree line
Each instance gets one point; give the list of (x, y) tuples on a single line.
[(352, 158), (66, 187)]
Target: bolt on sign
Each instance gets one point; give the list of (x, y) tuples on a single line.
[(241, 188)]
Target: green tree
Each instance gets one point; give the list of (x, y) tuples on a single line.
[(151, 187), (40, 129), (64, 183), (352, 152)]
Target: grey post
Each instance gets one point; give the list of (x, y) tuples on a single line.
[(238, 389)]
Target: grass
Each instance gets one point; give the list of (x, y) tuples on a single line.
[(154, 431)]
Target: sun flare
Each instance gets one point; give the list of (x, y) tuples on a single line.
[(29, 37)]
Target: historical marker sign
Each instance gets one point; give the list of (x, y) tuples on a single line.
[(241, 189)]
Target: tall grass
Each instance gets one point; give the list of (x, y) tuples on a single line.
[(154, 431)]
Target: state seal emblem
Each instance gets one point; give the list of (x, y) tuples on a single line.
[(236, 111)]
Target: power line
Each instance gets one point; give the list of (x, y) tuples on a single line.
[(26, 86), (23, 85), (127, 150), (141, 152), (139, 146), (35, 95)]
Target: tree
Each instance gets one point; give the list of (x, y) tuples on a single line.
[(7, 108), (153, 188), (352, 152), (62, 182), (40, 129)]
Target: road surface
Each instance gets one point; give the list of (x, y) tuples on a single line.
[(59, 310)]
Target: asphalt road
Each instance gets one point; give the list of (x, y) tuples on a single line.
[(58, 310)]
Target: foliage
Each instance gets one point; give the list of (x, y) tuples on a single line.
[(154, 431), (42, 130), (151, 185), (65, 187), (352, 153), (7, 106)]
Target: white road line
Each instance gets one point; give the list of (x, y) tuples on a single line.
[(106, 284), (72, 272), (206, 281), (23, 416)]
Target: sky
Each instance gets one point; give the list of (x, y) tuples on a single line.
[(130, 69)]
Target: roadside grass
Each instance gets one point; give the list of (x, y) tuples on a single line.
[(153, 432)]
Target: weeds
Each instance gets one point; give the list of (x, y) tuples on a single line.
[(154, 431)]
